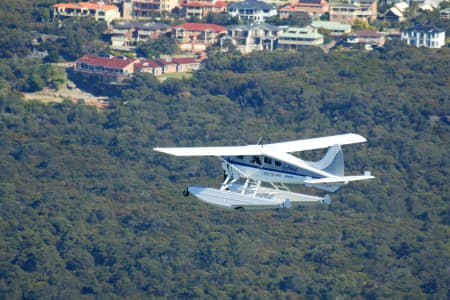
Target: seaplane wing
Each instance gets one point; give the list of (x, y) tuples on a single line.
[(317, 143), (284, 147), (211, 151)]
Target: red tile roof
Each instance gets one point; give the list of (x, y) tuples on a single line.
[(87, 5), (144, 64), (166, 62), (113, 63), (201, 27), (184, 60), (221, 3)]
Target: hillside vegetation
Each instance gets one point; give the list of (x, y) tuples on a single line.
[(88, 210)]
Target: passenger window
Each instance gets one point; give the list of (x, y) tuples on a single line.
[(267, 160), (256, 160), (277, 163)]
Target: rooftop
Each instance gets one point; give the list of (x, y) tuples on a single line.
[(331, 25), (114, 63), (85, 5), (200, 27), (248, 27), (141, 25), (307, 31), (205, 4), (146, 64), (251, 4), (366, 33), (423, 28)]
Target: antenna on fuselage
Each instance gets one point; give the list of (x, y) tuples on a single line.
[(259, 141)]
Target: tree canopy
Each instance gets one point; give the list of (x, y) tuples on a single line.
[(89, 210)]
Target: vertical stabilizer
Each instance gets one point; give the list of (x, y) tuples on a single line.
[(332, 162)]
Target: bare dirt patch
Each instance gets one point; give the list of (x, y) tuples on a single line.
[(71, 93)]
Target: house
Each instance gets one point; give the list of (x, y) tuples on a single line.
[(99, 11), (128, 33), (335, 29), (123, 34), (148, 66), (186, 64), (112, 69), (252, 10), (366, 37), (150, 31), (429, 5), (106, 68), (396, 13), (200, 9), (167, 65), (445, 14), (368, 10), (251, 37), (314, 8), (298, 37), (348, 12), (424, 36), (125, 8), (196, 37), (152, 8)]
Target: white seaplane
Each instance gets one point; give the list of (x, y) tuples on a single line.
[(247, 167)]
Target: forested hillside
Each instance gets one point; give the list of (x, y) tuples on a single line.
[(88, 210)]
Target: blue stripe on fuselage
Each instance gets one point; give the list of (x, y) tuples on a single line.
[(314, 176)]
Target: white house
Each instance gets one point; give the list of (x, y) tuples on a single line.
[(297, 37), (424, 36), (251, 37), (252, 10)]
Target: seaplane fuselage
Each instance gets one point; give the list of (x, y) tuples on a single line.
[(266, 169)]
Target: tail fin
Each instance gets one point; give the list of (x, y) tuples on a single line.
[(332, 162)]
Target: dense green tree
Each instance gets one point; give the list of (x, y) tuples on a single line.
[(299, 20), (163, 45), (88, 210), (221, 19)]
